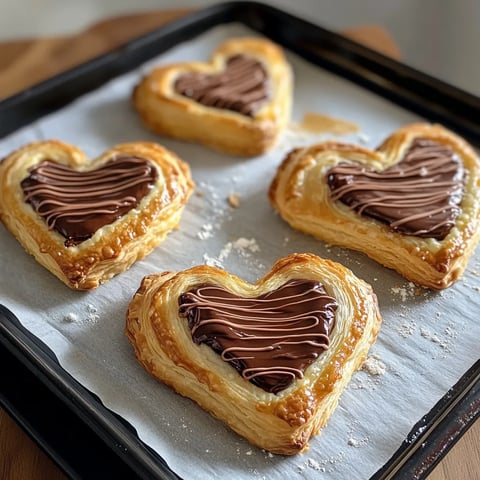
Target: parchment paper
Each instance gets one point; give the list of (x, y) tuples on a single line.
[(428, 339)]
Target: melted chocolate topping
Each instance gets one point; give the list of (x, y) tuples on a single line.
[(242, 87), (76, 204), (270, 339), (419, 196)]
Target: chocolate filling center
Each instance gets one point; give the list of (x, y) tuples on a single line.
[(270, 339), (76, 204), (243, 86), (419, 196)]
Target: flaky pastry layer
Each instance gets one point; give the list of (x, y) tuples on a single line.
[(281, 423), (167, 112), (113, 248), (300, 193)]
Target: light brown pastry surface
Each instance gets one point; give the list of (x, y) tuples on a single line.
[(167, 112), (301, 194), (283, 422), (114, 247)]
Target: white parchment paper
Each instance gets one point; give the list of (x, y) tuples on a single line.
[(428, 339)]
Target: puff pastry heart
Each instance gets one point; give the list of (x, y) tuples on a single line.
[(88, 221), (269, 359), (412, 204), (237, 103)]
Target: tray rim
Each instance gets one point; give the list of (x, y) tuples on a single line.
[(373, 69), (406, 86), (116, 432), (427, 443)]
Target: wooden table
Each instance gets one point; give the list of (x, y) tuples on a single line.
[(26, 62)]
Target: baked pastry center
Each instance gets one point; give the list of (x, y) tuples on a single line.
[(270, 339), (78, 203), (243, 86), (420, 195)]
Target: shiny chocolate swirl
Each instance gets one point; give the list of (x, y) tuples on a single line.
[(78, 203), (270, 339), (243, 86), (419, 196)]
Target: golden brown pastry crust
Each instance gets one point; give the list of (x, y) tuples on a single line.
[(113, 248), (166, 112), (281, 423), (301, 195)]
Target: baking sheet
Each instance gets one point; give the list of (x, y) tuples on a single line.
[(428, 339)]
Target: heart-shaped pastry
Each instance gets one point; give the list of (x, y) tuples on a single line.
[(270, 359), (412, 204), (237, 103), (88, 221)]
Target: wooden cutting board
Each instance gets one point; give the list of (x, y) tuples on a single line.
[(24, 63)]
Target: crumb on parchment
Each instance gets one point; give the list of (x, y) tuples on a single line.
[(234, 199)]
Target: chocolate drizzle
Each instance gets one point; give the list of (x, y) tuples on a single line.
[(78, 203), (419, 196), (270, 339), (242, 87)]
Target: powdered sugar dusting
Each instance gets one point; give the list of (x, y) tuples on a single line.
[(363, 138), (328, 464), (205, 232), (357, 443), (405, 292), (70, 317), (355, 439), (406, 329), (243, 247), (374, 366), (369, 377), (88, 315), (212, 261), (442, 339)]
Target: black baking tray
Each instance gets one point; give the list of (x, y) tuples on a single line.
[(70, 423)]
